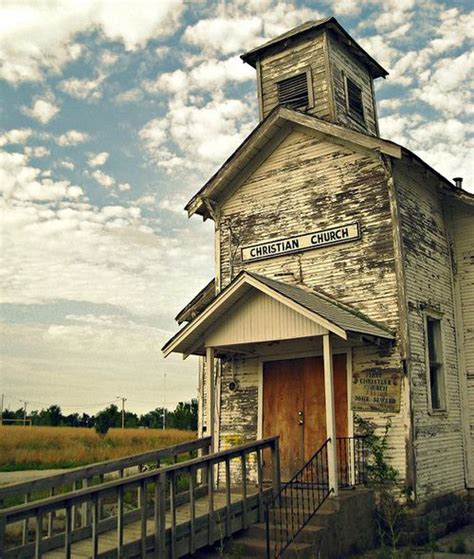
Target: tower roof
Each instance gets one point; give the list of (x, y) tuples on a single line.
[(308, 30)]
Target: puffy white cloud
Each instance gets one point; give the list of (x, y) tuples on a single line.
[(454, 30), (15, 136), (223, 34), (36, 36), (19, 181), (448, 85), (200, 137), (72, 138), (129, 96), (109, 58), (445, 145), (83, 88), (103, 179), (124, 186), (240, 26), (42, 110), (37, 152), (98, 159), (67, 165)]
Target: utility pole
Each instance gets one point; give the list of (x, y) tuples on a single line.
[(123, 410), (24, 412), (1, 410), (164, 402)]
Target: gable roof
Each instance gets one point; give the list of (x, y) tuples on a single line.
[(307, 30), (263, 140), (271, 131), (332, 315)]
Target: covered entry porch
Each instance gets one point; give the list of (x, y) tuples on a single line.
[(299, 344)]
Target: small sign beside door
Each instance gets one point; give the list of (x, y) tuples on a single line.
[(299, 243), (376, 391)]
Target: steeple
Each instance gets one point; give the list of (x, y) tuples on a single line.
[(319, 69)]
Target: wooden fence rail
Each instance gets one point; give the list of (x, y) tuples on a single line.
[(161, 492)]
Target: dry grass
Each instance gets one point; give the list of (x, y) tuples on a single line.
[(24, 448)]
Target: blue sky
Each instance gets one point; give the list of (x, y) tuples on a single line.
[(113, 113)]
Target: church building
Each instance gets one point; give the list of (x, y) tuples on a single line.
[(344, 277)]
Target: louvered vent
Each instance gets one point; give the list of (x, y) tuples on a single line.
[(293, 91), (354, 100)]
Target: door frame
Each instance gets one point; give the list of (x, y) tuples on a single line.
[(282, 357)]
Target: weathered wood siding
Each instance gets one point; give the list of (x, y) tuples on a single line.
[(308, 184), (438, 436), (310, 53), (259, 318), (462, 220), (343, 63)]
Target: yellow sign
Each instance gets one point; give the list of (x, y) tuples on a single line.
[(376, 391)]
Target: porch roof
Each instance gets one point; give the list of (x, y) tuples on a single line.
[(328, 313)]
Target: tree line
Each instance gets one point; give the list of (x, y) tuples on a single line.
[(184, 416)]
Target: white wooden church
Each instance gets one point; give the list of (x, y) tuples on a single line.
[(344, 277)]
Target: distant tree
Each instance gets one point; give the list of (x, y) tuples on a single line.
[(105, 419), (87, 420), (184, 416), (153, 419), (131, 419), (54, 415), (72, 420)]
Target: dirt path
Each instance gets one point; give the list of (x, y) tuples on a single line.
[(7, 478)]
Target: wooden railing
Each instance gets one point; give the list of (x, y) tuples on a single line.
[(160, 493), (94, 474)]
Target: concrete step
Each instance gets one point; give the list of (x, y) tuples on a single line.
[(311, 532), (255, 547)]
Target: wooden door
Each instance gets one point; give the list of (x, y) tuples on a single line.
[(283, 399), (294, 407)]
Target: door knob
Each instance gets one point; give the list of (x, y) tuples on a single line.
[(300, 415)]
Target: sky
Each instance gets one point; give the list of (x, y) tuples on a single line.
[(112, 115)]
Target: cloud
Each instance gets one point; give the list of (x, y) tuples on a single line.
[(67, 165), (38, 36), (124, 186), (103, 179), (241, 26), (37, 152), (19, 181), (72, 138), (191, 137), (448, 85), (43, 110), (98, 159), (129, 96), (15, 136), (446, 145), (83, 88)]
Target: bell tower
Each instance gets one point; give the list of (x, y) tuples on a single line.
[(317, 68)]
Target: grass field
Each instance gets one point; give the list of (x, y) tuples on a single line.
[(33, 448)]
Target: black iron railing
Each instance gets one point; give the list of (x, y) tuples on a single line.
[(297, 502), (351, 461)]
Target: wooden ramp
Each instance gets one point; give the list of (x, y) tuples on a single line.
[(165, 512), (132, 533)]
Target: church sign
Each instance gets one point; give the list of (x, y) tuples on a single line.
[(299, 243), (376, 391)]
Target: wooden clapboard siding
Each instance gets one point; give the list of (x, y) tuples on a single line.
[(305, 185), (462, 223), (438, 436), (343, 63), (305, 54), (259, 318)]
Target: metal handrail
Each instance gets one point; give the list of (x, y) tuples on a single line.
[(301, 497), (297, 502), (352, 455)]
